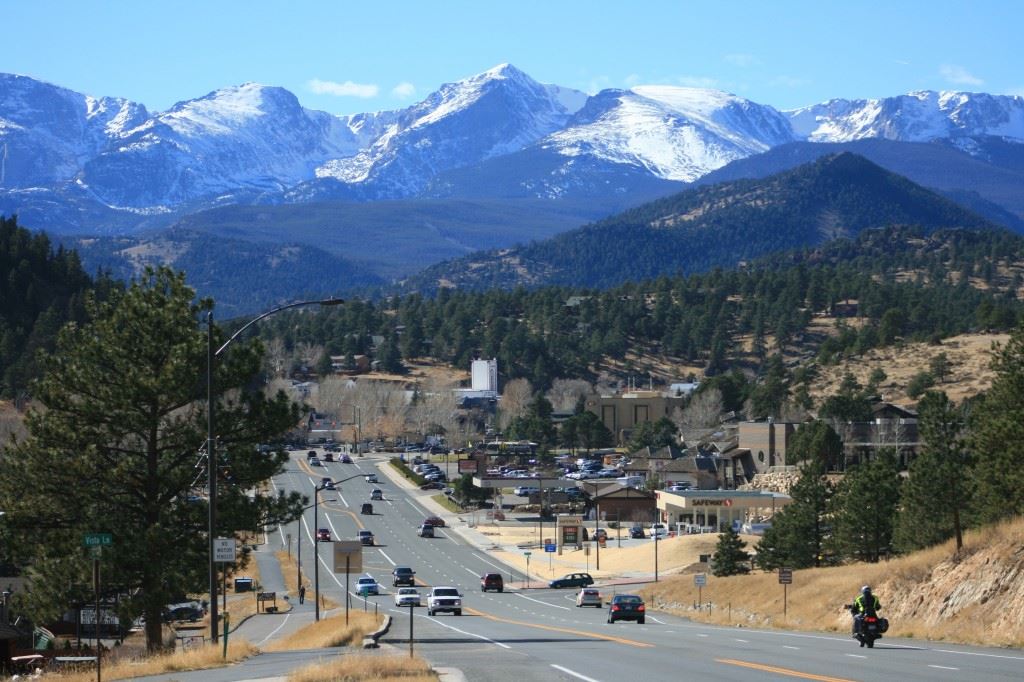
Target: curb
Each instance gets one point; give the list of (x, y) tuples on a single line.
[(370, 641)]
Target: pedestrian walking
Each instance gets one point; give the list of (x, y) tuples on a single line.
[(302, 594)]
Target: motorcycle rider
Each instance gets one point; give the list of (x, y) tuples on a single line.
[(866, 604)]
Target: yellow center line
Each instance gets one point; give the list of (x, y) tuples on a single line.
[(305, 467), (781, 671), (552, 628)]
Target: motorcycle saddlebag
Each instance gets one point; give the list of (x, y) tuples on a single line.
[(883, 624)]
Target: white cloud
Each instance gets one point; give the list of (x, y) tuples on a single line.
[(741, 60), (696, 81), (346, 89), (403, 90), (958, 75)]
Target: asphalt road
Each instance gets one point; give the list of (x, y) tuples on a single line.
[(538, 634)]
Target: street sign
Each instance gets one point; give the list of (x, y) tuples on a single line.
[(549, 548), (527, 553), (785, 576), (97, 540), (224, 550), (700, 579), (352, 550)]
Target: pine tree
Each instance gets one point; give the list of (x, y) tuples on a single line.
[(730, 556), (938, 490), (115, 451), (864, 508), (797, 536)]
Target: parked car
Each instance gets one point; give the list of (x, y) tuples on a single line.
[(407, 596), (376, 494), (659, 530), (636, 532), (434, 521), (678, 487), (599, 534), (372, 478), (572, 580), (345, 459), (626, 607), (403, 575), (323, 535), (366, 537), (492, 581), (327, 483), (525, 490), (367, 508), (367, 585), (589, 596), (426, 531)]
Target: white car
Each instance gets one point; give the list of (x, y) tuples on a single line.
[(368, 585), (407, 596), (658, 530), (589, 596), (371, 478)]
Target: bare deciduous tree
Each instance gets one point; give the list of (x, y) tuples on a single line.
[(276, 358), (514, 399), (308, 354), (565, 393), (701, 414)]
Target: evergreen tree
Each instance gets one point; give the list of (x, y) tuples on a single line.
[(816, 441), (654, 434), (864, 508), (797, 536), (389, 356), (115, 451), (730, 556), (937, 492)]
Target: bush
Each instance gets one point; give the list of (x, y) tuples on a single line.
[(920, 383)]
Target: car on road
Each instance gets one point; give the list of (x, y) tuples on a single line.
[(327, 483), (367, 585), (572, 580), (626, 607), (310, 454), (444, 600), (366, 537), (315, 462), (367, 508), (408, 596), (426, 531), (434, 521), (345, 459), (589, 596), (323, 535), (637, 532), (328, 457), (492, 581), (403, 575), (372, 478), (376, 494)]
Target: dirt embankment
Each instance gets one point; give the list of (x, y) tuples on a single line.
[(976, 597)]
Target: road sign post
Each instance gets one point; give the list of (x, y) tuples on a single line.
[(785, 579), (700, 580), (527, 555)]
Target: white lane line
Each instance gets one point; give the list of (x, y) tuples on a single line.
[(745, 641), (342, 498), (470, 570), (573, 673), (701, 635), (463, 632), (503, 569), (387, 557), (661, 622), (977, 653), (786, 646), (554, 606), (942, 667), (856, 656), (274, 632)]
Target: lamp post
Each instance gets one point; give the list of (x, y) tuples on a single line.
[(316, 541), (298, 543), (211, 455)]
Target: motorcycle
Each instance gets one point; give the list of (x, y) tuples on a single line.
[(871, 626)]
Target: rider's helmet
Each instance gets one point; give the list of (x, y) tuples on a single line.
[(866, 590)]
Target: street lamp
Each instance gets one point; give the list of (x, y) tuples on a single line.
[(326, 485), (299, 543), (211, 456)]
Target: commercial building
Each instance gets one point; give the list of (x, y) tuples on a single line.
[(622, 413), (713, 510)]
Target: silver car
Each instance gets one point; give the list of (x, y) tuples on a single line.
[(407, 596), (589, 596)]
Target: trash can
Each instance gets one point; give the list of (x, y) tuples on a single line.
[(243, 584)]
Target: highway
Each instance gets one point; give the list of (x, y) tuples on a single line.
[(538, 634)]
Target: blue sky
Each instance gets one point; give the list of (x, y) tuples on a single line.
[(349, 57)]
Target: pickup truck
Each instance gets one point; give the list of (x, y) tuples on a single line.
[(443, 599)]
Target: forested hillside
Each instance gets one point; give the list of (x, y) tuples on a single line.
[(718, 226), (899, 283), (41, 289)]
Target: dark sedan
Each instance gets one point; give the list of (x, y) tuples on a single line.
[(626, 607), (572, 580)]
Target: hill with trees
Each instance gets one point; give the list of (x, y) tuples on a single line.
[(722, 225)]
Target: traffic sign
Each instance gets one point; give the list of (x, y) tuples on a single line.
[(549, 548), (527, 553), (224, 550), (700, 579), (785, 576), (348, 554), (97, 540)]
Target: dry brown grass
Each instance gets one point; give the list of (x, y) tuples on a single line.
[(974, 597), (363, 667), (330, 632), (177, 661)]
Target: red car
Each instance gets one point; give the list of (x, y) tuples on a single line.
[(434, 521), (323, 535)]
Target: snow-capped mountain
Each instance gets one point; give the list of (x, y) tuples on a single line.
[(916, 117)]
